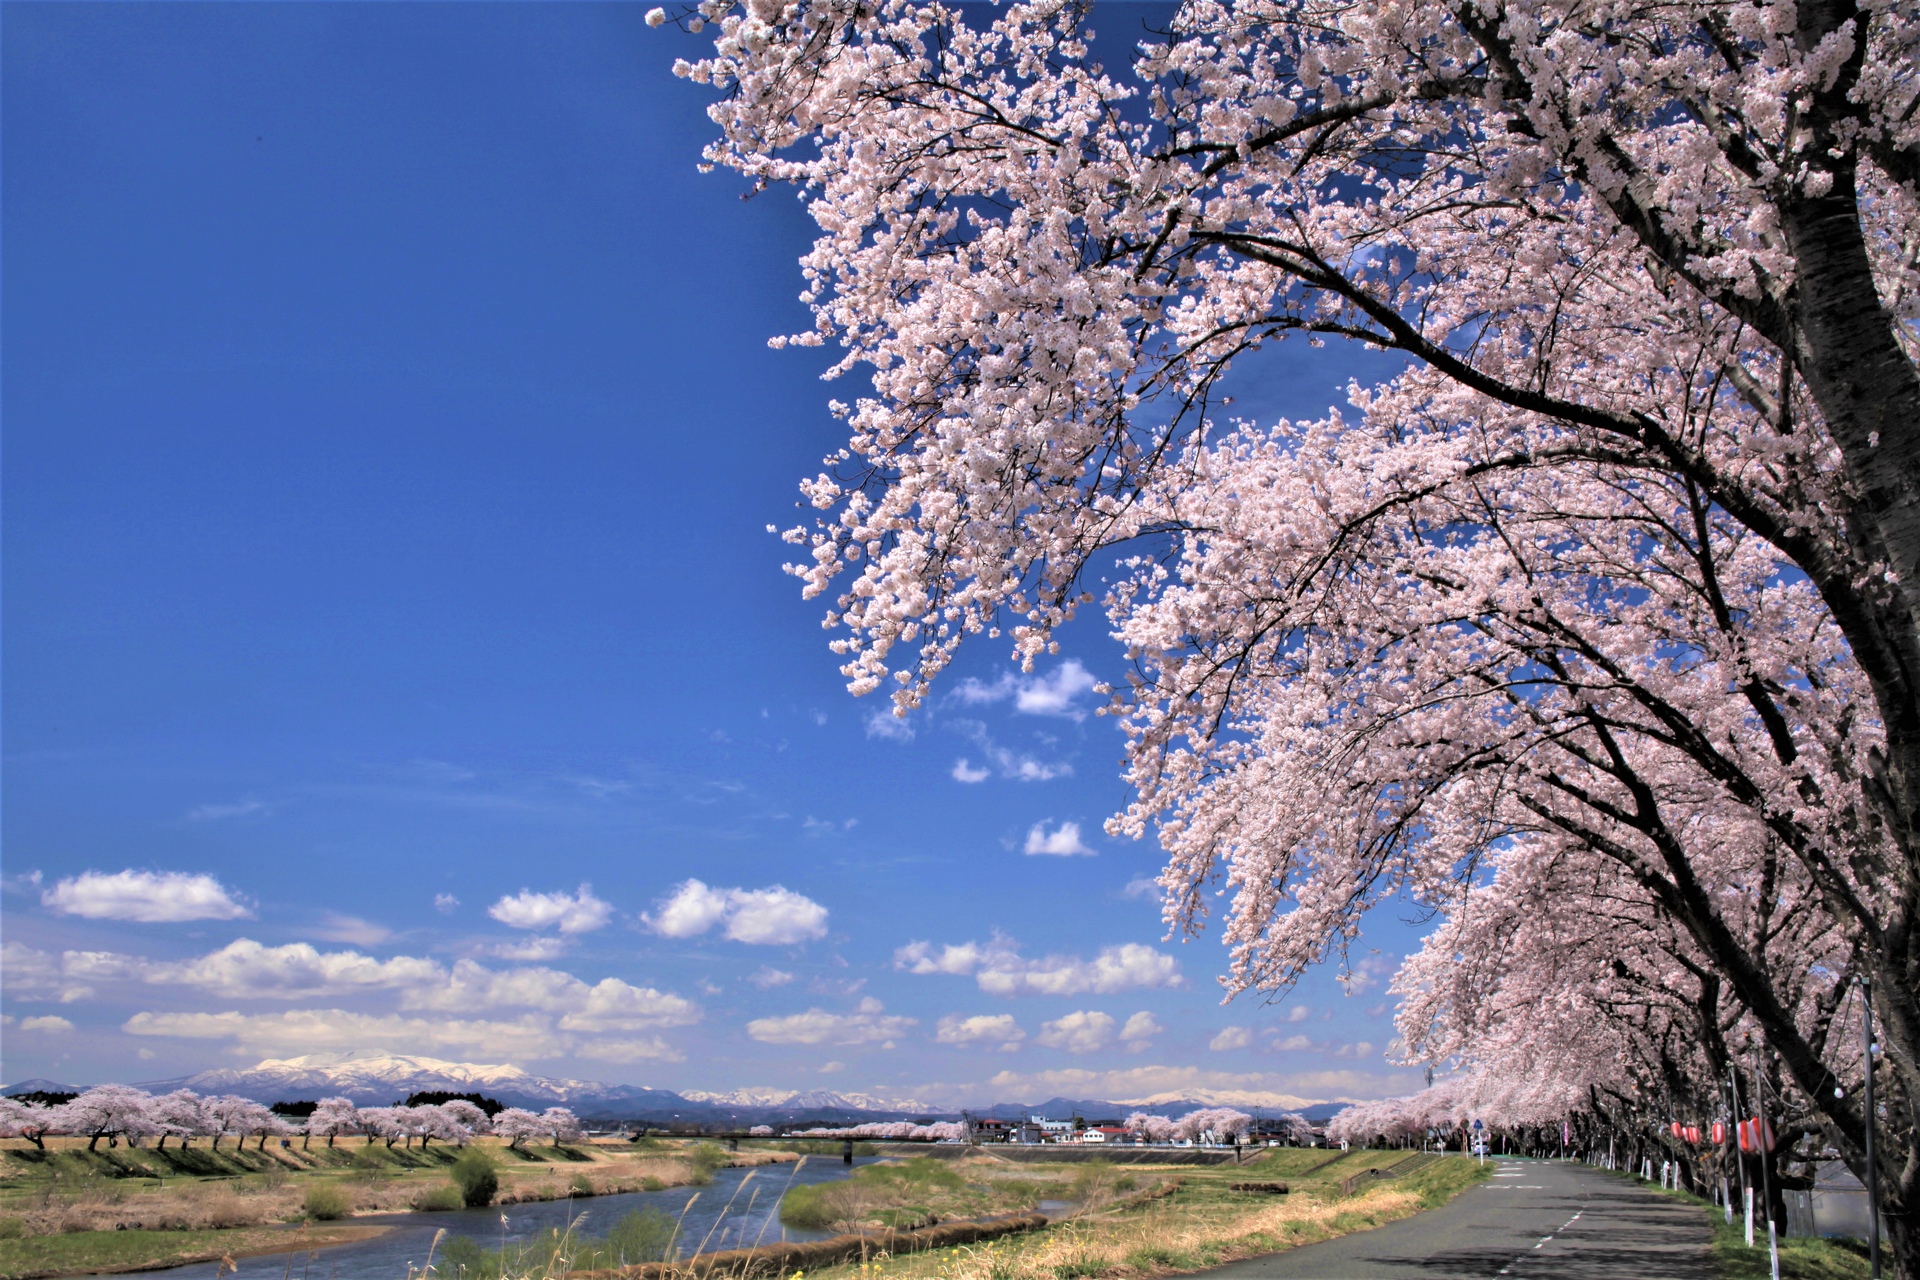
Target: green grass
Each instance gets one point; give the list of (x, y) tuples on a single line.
[(83, 1252), (643, 1235), (1800, 1258)]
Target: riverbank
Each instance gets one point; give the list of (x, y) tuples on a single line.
[(65, 1210), (1192, 1218), (113, 1252)]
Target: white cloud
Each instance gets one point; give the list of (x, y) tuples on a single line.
[(1292, 1043), (30, 974), (831, 1067), (579, 912), (960, 959), (1128, 967), (1140, 1028), (1017, 765), (444, 903), (246, 968), (608, 1005), (1368, 973), (1358, 1049), (964, 772), (1054, 694), (773, 916), (980, 1029), (866, 1025), (46, 1022), (766, 977), (1141, 888), (534, 949), (976, 692), (1063, 843), (1151, 1086), (1299, 1013), (884, 724), (692, 909), (334, 927), (1231, 1038), (999, 968), (300, 1031), (1082, 1031), (653, 1049), (150, 897)]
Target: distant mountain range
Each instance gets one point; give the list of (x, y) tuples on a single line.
[(383, 1079)]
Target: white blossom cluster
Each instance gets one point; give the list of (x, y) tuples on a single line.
[(893, 1130), (1594, 630), (117, 1112)]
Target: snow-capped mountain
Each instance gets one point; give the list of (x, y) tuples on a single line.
[(381, 1079), (377, 1079), (806, 1100), (1241, 1098)]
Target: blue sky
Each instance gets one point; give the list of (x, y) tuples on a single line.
[(390, 440)]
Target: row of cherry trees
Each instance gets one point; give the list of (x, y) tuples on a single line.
[(1216, 1124), (1595, 629), (892, 1130), (117, 1112)]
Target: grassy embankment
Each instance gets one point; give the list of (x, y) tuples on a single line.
[(1801, 1258), (1171, 1219), (67, 1210)]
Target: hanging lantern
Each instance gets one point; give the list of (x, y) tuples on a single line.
[(1753, 1133)]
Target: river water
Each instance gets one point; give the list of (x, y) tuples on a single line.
[(739, 1207)]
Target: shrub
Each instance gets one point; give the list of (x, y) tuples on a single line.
[(582, 1185), (919, 1172), (225, 1209), (825, 1205), (444, 1196), (643, 1235), (326, 1201), (475, 1176), (464, 1259)]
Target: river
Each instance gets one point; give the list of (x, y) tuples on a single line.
[(753, 1217)]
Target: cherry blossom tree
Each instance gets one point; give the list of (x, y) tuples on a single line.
[(516, 1125), (1155, 1128), (384, 1123), (1623, 561), (440, 1121), (1212, 1124), (180, 1114), (108, 1111), (332, 1117), (29, 1120), (561, 1123), (468, 1118), (889, 1130), (1297, 1129)]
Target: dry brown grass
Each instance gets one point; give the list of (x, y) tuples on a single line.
[(82, 1193), (1201, 1225), (1157, 1240)]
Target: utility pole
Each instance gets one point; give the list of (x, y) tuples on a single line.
[(1873, 1172), (1760, 1145)]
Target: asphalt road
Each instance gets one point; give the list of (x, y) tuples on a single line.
[(1534, 1220)]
